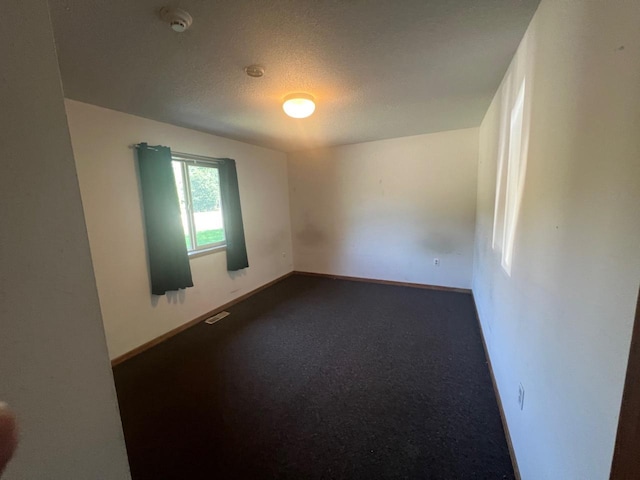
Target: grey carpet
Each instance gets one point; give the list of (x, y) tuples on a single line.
[(315, 378)]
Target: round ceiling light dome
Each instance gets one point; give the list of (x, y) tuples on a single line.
[(299, 105)]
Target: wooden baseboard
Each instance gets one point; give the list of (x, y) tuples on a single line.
[(385, 282), (191, 323), (505, 426)]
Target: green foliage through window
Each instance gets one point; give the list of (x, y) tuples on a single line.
[(206, 236), (198, 186), (205, 188)]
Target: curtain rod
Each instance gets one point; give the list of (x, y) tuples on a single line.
[(188, 156)]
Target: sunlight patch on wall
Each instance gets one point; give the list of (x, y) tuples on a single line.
[(511, 172), (503, 150), (515, 179)]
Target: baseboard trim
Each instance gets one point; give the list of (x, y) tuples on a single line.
[(385, 282), (191, 323), (503, 417), (152, 343)]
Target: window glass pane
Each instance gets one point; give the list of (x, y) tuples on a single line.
[(177, 173), (205, 200)]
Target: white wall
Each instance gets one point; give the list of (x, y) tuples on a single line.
[(110, 195), (54, 368), (561, 323), (386, 209)]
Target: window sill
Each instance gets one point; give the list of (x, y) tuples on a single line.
[(207, 251)]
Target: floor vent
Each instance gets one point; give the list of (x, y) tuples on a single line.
[(216, 317)]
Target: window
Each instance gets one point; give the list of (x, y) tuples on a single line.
[(198, 184)]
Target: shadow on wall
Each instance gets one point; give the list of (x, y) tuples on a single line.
[(321, 223), (171, 297), (237, 274), (388, 209)]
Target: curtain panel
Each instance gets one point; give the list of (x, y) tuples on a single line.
[(232, 216), (168, 258)]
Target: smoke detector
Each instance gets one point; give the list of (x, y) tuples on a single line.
[(255, 71), (178, 19)]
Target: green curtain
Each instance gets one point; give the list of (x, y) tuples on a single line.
[(168, 259), (232, 216)]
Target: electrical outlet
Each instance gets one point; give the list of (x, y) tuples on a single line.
[(436, 262), (521, 396)]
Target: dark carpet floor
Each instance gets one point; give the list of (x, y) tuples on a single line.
[(316, 378)]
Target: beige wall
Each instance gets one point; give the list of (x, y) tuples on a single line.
[(386, 209), (54, 368), (560, 324), (110, 196)]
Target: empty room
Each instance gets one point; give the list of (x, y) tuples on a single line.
[(320, 239)]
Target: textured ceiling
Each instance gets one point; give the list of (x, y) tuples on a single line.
[(378, 68)]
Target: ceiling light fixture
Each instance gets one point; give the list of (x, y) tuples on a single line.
[(299, 105)]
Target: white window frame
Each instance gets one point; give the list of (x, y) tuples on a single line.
[(196, 160)]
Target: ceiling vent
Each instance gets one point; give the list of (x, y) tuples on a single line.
[(178, 19), (215, 318)]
